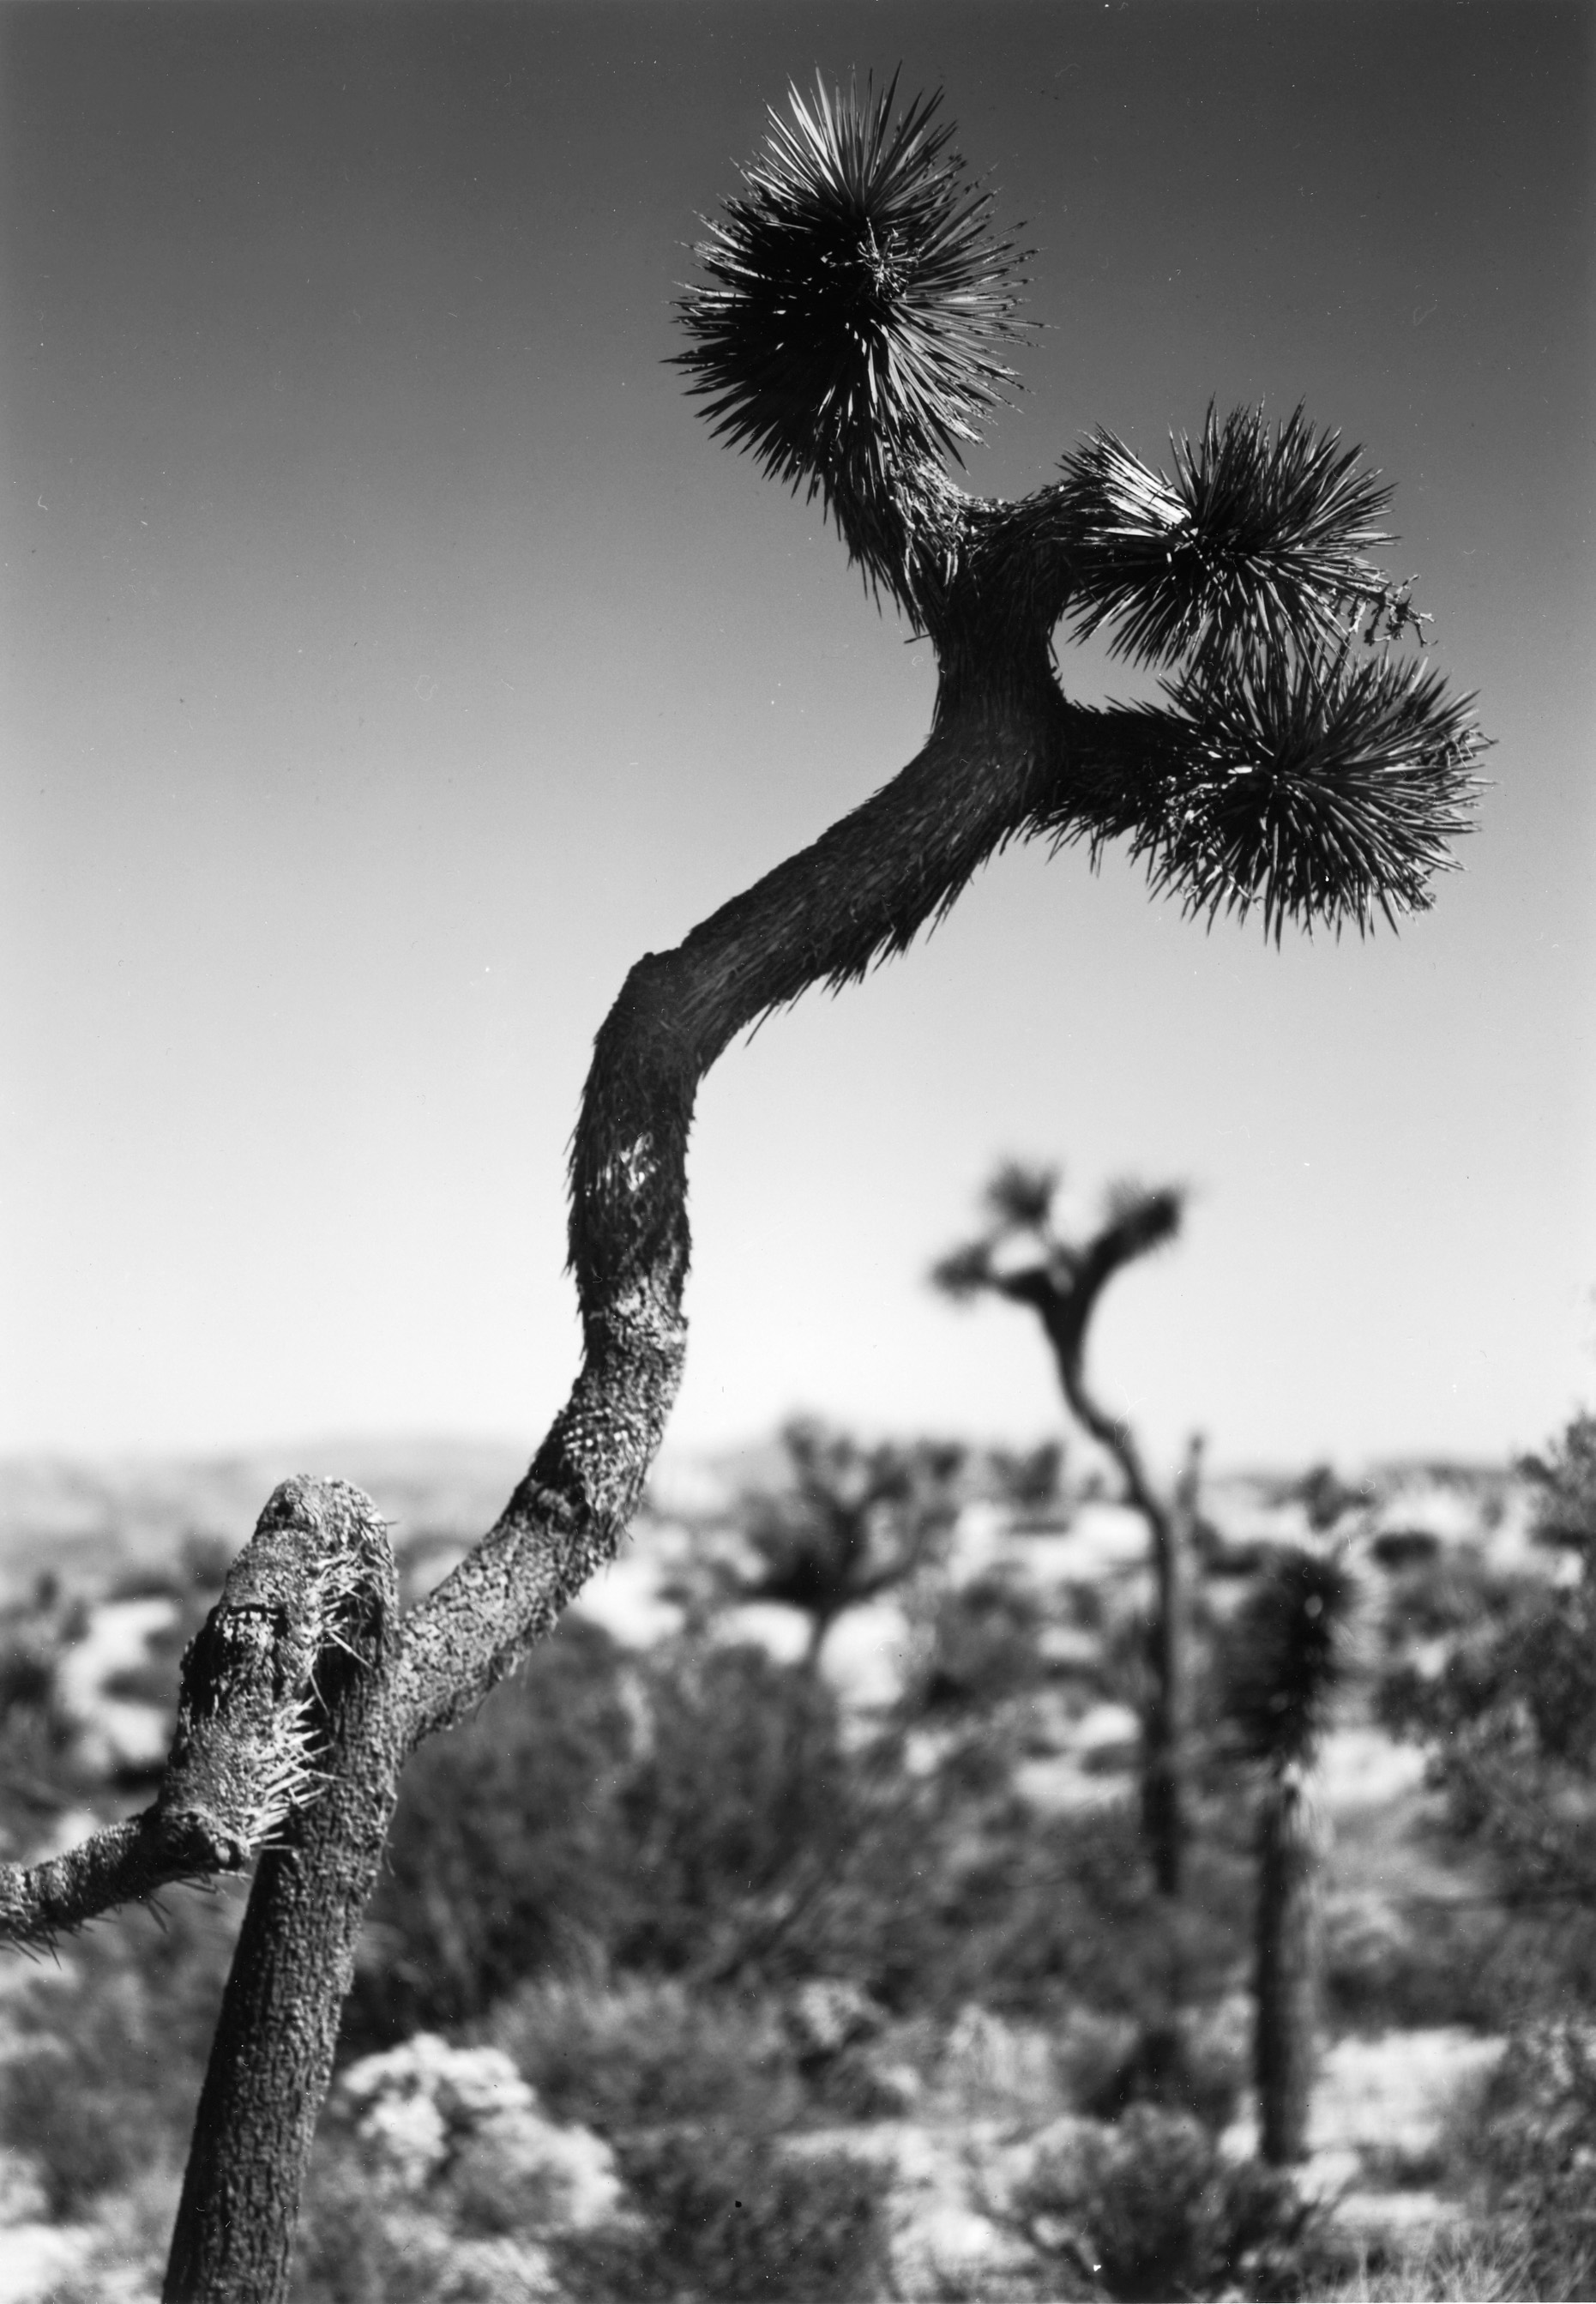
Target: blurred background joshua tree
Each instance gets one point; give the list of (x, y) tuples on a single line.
[(1285, 1659), (849, 1523), (1021, 1255)]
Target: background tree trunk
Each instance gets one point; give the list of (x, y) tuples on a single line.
[(1291, 1855), (1163, 1815), (1167, 1760)]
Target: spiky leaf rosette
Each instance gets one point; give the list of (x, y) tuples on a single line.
[(1287, 1653), (1255, 542), (1020, 1198), (850, 325), (1322, 786), (1019, 1201), (1137, 1219)]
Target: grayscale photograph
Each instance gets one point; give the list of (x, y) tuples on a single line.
[(797, 1166)]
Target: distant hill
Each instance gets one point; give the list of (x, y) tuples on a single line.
[(90, 1517)]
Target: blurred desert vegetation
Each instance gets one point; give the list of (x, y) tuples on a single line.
[(785, 1927)]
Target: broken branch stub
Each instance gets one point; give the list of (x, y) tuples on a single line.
[(310, 1589)]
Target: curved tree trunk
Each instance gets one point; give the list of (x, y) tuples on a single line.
[(999, 764), (1291, 1840), (301, 1669)]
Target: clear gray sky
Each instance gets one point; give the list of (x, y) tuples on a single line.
[(390, 657)]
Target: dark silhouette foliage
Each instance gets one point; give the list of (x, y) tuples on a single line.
[(851, 1523), (1286, 1655)]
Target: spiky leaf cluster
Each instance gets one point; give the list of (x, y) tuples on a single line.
[(847, 333), (1137, 1219), (1287, 1653), (1255, 543), (855, 300), (1321, 786), (1019, 1202), (1020, 1198), (854, 1521), (1566, 1509)]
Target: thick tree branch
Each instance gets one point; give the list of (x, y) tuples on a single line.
[(995, 769), (120, 1866), (1008, 759)]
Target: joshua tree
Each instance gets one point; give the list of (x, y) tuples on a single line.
[(1020, 1256), (1284, 1661), (848, 331), (853, 1524)]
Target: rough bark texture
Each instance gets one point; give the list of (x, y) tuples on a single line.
[(119, 1865), (998, 765), (272, 2055), (244, 1754), (1291, 1852)]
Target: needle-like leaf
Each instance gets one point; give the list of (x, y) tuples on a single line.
[(855, 300), (1254, 544)]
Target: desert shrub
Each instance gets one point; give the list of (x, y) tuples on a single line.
[(1152, 2208), (1532, 2137), (126, 2245), (100, 2080), (358, 2247), (39, 1766), (741, 1785), (1437, 1592), (1053, 1912), (507, 1853), (1192, 2066), (702, 1812), (691, 1812), (1509, 1723), (1461, 2264), (983, 1647), (192, 1582), (645, 2053), (718, 2217), (1405, 1968), (438, 2176)]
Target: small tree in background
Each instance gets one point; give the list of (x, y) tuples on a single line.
[(848, 331), (1021, 1256), (1284, 1661), (851, 1524)]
